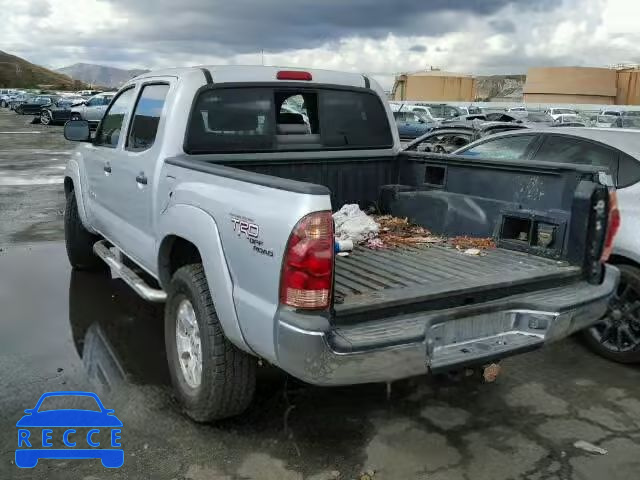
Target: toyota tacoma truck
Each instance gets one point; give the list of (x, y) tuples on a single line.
[(212, 190)]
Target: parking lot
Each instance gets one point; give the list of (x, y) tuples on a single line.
[(65, 330)]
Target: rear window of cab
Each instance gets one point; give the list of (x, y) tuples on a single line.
[(267, 119)]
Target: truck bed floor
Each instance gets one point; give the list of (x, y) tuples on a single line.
[(369, 279)]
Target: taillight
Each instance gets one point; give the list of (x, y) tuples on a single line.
[(307, 272), (613, 225), (293, 75)]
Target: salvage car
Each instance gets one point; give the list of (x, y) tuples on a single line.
[(617, 336), (449, 137), (59, 112), (412, 124), (93, 109), (555, 112), (198, 193), (35, 105)]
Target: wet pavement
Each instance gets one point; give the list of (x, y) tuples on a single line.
[(64, 330)]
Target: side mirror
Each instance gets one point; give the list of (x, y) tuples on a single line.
[(77, 131)]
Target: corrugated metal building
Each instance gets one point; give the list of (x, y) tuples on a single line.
[(434, 86), (581, 85)]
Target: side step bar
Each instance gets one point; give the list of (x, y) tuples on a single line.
[(113, 258)]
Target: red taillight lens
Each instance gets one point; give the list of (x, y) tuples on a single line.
[(613, 225), (307, 272), (294, 75)]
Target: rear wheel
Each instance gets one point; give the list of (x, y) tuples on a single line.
[(617, 335), (78, 240), (19, 110), (212, 378)]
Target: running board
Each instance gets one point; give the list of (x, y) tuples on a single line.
[(113, 258)]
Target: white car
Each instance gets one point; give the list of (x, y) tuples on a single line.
[(517, 109), (555, 112), (93, 109), (617, 336)]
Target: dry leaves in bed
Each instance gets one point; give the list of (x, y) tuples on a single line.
[(396, 232), (467, 243)]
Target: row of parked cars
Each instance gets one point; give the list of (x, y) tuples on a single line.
[(415, 119), (57, 109)]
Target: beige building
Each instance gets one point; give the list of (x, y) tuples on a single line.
[(434, 86), (577, 85)]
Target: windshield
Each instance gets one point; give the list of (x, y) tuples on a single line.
[(263, 119)]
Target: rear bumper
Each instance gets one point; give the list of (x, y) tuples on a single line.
[(413, 345)]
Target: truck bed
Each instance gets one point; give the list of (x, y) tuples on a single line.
[(400, 278)]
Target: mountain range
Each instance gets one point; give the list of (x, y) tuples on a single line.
[(100, 75), (16, 72)]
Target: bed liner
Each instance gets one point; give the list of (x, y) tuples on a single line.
[(396, 277)]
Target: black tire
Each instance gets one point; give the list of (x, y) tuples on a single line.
[(78, 240), (45, 117), (4, 104), (617, 335), (19, 110), (228, 377)]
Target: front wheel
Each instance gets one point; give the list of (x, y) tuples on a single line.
[(19, 110), (78, 240), (45, 118), (617, 335), (212, 378)]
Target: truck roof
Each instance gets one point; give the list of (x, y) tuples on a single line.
[(259, 73)]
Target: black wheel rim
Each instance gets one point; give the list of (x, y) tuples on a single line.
[(44, 118), (619, 329)]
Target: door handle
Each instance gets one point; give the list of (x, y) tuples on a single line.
[(141, 179), (107, 168)]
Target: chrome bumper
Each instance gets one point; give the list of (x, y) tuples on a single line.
[(438, 341)]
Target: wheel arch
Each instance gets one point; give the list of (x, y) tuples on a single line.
[(187, 234)]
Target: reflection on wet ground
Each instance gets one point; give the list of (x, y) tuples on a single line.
[(66, 330)]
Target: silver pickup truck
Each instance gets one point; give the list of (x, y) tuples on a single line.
[(212, 190)]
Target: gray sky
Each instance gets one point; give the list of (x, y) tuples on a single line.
[(380, 37)]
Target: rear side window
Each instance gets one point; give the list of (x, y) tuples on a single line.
[(561, 149), (503, 148), (146, 117), (629, 171), (263, 119)]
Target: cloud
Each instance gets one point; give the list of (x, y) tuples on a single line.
[(381, 38), (418, 48)]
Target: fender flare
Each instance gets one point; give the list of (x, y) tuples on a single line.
[(72, 173), (198, 227)]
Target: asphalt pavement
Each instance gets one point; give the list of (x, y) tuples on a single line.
[(63, 330)]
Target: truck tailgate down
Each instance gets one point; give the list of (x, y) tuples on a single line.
[(370, 280)]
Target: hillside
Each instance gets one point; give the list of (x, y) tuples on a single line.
[(17, 72), (99, 74), (500, 87)]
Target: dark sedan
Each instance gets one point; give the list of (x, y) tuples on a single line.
[(59, 112), (35, 105), (452, 136)]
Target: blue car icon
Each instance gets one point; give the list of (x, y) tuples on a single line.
[(62, 424)]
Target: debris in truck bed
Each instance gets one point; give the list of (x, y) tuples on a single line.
[(396, 232), (386, 231), (465, 243), (353, 224)]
